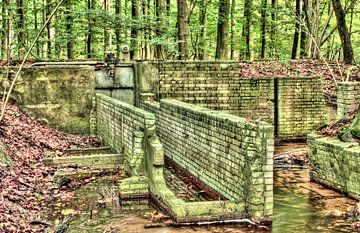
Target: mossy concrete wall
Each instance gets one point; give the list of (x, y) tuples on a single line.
[(228, 153), (348, 98), (335, 164), (59, 97), (284, 102)]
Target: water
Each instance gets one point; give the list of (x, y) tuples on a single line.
[(302, 206), (299, 206)]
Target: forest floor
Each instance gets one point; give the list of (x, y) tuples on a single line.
[(26, 187)]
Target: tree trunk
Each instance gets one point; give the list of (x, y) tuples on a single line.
[(202, 36), (106, 29), (21, 28), (4, 32), (118, 27), (222, 30), (247, 29), (69, 22), (297, 29), (343, 32), (134, 34), (303, 36), (35, 9), (182, 17), (48, 29), (263, 28), (161, 17), (91, 23), (273, 30), (232, 24)]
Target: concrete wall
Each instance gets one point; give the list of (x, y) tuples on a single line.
[(230, 154), (348, 98), (335, 164), (59, 97), (117, 81), (286, 102)]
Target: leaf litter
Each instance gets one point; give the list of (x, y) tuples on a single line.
[(26, 187)]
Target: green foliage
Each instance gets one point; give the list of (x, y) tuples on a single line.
[(97, 20)]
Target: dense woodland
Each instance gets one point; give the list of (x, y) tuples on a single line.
[(182, 29)]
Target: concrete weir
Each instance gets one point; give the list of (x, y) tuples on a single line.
[(236, 160)]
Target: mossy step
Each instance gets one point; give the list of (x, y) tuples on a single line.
[(102, 161), (89, 150)]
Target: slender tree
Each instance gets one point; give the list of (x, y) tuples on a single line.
[(344, 34), (297, 29), (246, 34), (69, 29), (21, 28), (90, 32), (118, 26), (263, 28), (182, 33), (202, 21), (162, 18), (273, 29), (135, 33), (232, 29), (222, 30), (106, 28), (304, 34)]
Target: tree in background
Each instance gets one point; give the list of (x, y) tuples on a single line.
[(183, 29), (222, 30)]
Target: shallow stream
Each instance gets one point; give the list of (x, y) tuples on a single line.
[(299, 206)]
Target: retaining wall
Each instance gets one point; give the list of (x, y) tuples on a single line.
[(111, 117), (335, 164), (59, 97), (348, 98), (284, 102), (122, 126), (230, 154)]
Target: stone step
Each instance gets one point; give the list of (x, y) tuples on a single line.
[(98, 161), (90, 150)]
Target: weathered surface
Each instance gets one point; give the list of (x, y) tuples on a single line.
[(301, 106), (133, 131), (59, 97), (122, 127), (220, 86), (226, 152), (335, 163), (348, 98), (105, 161)]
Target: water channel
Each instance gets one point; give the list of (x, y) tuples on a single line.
[(299, 206)]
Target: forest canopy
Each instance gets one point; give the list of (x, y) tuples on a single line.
[(183, 29)]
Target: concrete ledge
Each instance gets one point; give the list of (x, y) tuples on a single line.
[(335, 164), (109, 161)]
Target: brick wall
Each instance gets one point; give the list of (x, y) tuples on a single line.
[(122, 127), (301, 106), (218, 86), (335, 163), (228, 153), (287, 102), (348, 98)]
